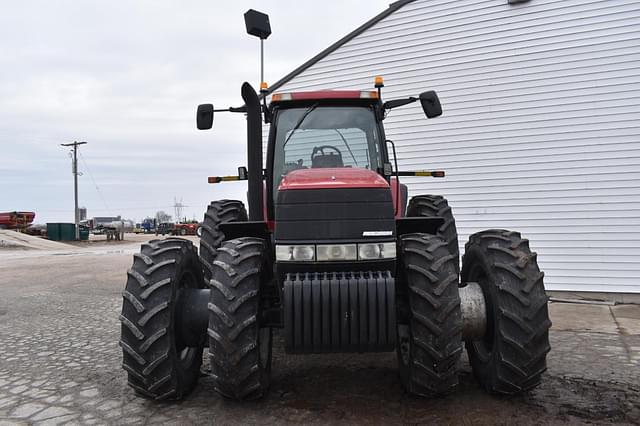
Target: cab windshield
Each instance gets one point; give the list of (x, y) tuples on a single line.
[(325, 136)]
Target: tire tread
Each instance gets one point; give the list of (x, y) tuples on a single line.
[(146, 335), (211, 237), (438, 206), (520, 312), (435, 317), (233, 320)]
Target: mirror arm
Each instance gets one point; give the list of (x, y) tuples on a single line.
[(232, 109), (394, 103)]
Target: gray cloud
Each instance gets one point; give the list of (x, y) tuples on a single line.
[(126, 77)]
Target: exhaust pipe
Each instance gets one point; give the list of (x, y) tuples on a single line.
[(254, 152)]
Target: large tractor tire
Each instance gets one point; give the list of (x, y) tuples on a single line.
[(437, 206), (512, 355), (239, 347), (211, 237), (430, 331), (159, 366)]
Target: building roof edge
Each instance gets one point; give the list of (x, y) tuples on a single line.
[(393, 7)]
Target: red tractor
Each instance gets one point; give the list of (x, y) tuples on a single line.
[(188, 228), (333, 253)]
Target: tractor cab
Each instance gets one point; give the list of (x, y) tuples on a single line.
[(325, 130), (325, 162)]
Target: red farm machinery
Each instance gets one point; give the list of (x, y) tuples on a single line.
[(332, 252)]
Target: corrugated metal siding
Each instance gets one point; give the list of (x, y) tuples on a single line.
[(541, 129)]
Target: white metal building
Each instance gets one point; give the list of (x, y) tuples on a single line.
[(541, 124)]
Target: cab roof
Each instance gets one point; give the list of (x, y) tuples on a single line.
[(320, 95)]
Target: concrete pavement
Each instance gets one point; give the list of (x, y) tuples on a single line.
[(60, 363)]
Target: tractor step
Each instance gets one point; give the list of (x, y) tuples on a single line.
[(339, 312)]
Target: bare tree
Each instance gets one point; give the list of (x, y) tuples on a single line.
[(162, 216)]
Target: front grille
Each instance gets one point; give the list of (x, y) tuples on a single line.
[(332, 214)]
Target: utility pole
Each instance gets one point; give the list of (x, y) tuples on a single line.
[(74, 170)]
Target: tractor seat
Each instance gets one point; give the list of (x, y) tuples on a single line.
[(326, 161)]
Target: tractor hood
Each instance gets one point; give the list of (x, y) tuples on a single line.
[(333, 204), (324, 178)]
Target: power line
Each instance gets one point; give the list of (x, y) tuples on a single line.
[(95, 184), (116, 208)]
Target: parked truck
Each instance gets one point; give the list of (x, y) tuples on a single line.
[(149, 225)]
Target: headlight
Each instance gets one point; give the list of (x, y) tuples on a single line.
[(337, 252), (295, 253), (370, 251)]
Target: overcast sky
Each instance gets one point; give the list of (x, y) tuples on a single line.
[(126, 76)]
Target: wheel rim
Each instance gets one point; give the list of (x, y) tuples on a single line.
[(484, 346)]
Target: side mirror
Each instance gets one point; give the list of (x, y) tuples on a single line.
[(430, 104), (204, 116)]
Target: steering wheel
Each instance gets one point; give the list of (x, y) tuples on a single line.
[(319, 150)]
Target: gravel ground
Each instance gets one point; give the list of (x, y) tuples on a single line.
[(60, 363)]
